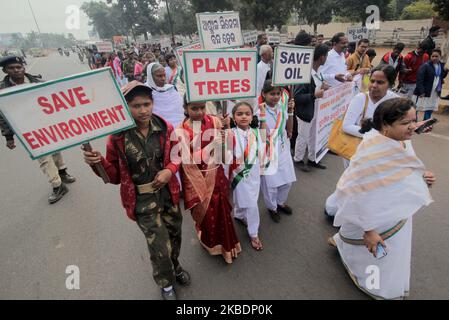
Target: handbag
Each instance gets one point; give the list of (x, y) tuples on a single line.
[(342, 143)]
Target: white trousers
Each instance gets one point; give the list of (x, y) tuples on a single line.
[(251, 217), (304, 141), (274, 196)]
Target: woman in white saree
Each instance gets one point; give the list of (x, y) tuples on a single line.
[(383, 187)]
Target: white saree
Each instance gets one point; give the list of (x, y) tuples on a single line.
[(382, 186)]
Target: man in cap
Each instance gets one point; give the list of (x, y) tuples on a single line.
[(139, 160), (52, 165)]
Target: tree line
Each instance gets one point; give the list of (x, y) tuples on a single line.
[(139, 17)]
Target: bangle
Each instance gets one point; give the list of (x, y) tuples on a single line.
[(262, 120)]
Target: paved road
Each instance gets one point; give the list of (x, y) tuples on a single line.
[(88, 228)]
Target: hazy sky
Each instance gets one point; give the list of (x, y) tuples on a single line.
[(50, 15)]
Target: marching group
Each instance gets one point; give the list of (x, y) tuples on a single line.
[(384, 183)]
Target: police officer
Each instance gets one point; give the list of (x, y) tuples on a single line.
[(52, 165)]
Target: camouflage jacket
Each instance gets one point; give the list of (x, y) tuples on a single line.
[(7, 83)]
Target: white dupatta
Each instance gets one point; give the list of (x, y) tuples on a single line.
[(382, 185)]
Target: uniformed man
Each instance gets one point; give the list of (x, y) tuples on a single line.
[(139, 160), (52, 165), (128, 65)]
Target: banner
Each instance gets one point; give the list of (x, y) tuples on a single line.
[(219, 30), (292, 65), (179, 51), (332, 106), (220, 74), (355, 34), (104, 46), (55, 115)]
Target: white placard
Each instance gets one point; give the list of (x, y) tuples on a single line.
[(219, 30), (250, 36), (104, 46), (355, 34), (292, 65), (274, 37), (332, 106), (179, 51), (220, 74), (55, 115)]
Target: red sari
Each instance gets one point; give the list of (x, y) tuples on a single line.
[(206, 194)]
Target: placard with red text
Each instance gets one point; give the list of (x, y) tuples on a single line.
[(58, 114), (220, 74)]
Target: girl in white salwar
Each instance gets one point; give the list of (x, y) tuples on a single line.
[(245, 170), (279, 173), (377, 196)]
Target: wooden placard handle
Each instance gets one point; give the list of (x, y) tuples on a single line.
[(98, 166)]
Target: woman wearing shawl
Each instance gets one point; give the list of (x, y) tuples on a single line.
[(205, 186), (377, 196), (362, 106), (167, 101)]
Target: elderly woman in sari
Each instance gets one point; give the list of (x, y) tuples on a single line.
[(167, 101), (377, 196)]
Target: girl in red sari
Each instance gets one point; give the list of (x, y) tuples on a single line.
[(205, 185)]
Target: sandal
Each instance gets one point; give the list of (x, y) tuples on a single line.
[(256, 244)]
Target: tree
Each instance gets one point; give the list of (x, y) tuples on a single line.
[(442, 7), (418, 10), (211, 6), (103, 17), (182, 16), (392, 10), (355, 10), (316, 13), (263, 13)]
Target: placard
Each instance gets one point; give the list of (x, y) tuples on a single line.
[(219, 30), (104, 46), (332, 106), (179, 51), (292, 65), (58, 114), (355, 34), (274, 37), (250, 36), (220, 74)]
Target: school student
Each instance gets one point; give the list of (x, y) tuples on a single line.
[(279, 173), (245, 170)]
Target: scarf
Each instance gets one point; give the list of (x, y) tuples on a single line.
[(382, 185), (150, 81)]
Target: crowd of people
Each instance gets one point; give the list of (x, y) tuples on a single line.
[(384, 183)]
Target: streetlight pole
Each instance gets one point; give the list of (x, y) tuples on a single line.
[(37, 25), (170, 23)]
